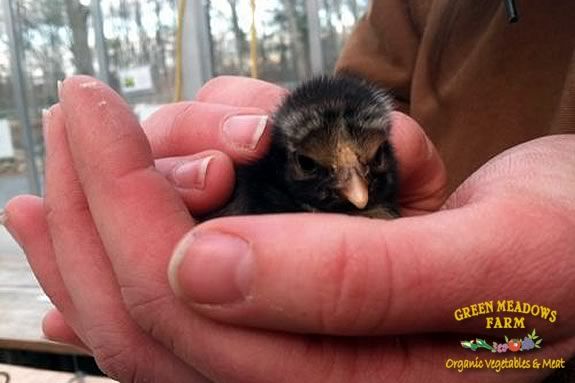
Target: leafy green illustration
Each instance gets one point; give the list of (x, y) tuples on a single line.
[(476, 344), (469, 344), (483, 344)]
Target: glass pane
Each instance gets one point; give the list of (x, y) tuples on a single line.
[(282, 40), (282, 36), (337, 18), (140, 39), (14, 178), (56, 40)]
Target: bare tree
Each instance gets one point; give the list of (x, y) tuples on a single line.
[(160, 41), (78, 18), (300, 53), (207, 15), (40, 26), (144, 43), (240, 36)]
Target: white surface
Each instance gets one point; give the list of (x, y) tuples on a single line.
[(6, 146), (8, 245)]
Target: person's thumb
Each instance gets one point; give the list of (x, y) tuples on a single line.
[(340, 275)]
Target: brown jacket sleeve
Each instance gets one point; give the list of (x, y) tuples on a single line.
[(384, 47), (477, 84)]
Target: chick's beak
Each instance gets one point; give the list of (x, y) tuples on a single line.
[(355, 190)]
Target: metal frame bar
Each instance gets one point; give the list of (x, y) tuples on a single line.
[(197, 64), (19, 85)]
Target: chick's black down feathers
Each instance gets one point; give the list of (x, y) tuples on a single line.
[(330, 152)]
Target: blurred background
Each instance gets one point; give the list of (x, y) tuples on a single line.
[(152, 52)]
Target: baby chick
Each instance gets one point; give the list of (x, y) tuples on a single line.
[(330, 152)]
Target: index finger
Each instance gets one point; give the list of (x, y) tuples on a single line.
[(139, 218), (230, 114), (191, 127), (116, 169), (242, 92)]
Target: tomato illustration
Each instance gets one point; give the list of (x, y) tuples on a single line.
[(514, 345)]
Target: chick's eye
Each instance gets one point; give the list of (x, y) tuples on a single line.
[(379, 155), (306, 164), (380, 158)]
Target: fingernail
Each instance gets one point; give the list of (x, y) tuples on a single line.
[(4, 222), (59, 84), (46, 118), (245, 131), (192, 174), (212, 268), (45, 121)]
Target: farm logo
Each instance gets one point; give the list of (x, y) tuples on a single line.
[(505, 314)]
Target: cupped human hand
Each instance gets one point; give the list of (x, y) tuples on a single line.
[(506, 233), (102, 250), (92, 132)]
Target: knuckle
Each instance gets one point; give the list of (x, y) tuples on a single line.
[(116, 364), (116, 353), (146, 307), (353, 296), (122, 366), (58, 209), (111, 352)]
